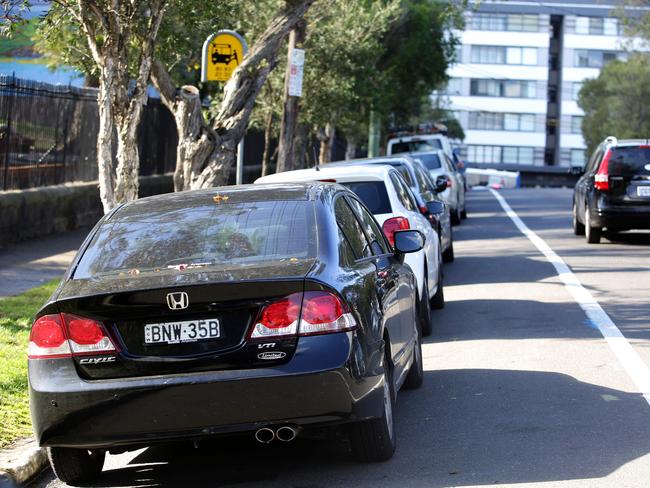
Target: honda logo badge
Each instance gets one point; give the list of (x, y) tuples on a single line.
[(178, 300)]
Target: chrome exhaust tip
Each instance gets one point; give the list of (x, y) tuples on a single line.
[(264, 435), (286, 433)]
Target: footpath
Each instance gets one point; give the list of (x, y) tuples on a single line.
[(31, 263)]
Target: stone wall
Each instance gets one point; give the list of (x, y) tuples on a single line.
[(28, 214)]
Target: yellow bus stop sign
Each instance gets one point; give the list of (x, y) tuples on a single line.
[(222, 53)]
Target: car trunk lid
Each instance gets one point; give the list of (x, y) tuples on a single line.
[(204, 326)]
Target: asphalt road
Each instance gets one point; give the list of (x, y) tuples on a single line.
[(520, 388)]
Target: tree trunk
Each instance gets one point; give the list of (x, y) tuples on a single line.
[(119, 111), (299, 150), (351, 148), (105, 138), (326, 143), (231, 121), (266, 156), (291, 106)]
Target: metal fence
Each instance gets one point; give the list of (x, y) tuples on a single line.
[(48, 135)]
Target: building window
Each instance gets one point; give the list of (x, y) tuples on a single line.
[(484, 154), (488, 55), (454, 86), (577, 157), (499, 154), (502, 22), (575, 90), (503, 88), (588, 58), (501, 121), (485, 121), (597, 26), (576, 124), (504, 55)]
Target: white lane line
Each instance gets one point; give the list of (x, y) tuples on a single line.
[(633, 364)]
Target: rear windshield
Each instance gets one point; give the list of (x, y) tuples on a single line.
[(415, 146), (177, 235), (630, 161), (431, 161), (373, 195)]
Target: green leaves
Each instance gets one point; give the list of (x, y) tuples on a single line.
[(611, 101)]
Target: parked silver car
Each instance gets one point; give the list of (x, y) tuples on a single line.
[(441, 166)]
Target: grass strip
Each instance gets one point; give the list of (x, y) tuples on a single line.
[(16, 315)]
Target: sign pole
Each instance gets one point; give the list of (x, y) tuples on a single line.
[(239, 180)]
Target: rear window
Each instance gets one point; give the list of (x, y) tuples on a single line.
[(415, 146), (373, 195), (630, 161), (430, 161), (176, 235)]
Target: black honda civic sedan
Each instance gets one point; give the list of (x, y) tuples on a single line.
[(266, 309)]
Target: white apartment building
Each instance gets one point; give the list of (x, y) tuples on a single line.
[(519, 69)]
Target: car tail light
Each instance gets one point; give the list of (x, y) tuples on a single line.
[(65, 335), (324, 313), (278, 318), (314, 312), (47, 338), (601, 180), (87, 336), (393, 225)]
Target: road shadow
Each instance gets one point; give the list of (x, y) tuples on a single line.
[(477, 427)]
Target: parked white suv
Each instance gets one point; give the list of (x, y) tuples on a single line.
[(384, 192), (420, 143)]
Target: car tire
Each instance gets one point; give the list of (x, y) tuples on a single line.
[(424, 312), (374, 440), (578, 227), (415, 375), (438, 300), (455, 216), (448, 254), (75, 465), (592, 234)]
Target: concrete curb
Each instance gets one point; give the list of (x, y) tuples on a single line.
[(20, 462)]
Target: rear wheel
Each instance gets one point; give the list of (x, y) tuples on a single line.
[(578, 227), (424, 311), (75, 465), (416, 373), (592, 234), (374, 440), (455, 216), (438, 300)]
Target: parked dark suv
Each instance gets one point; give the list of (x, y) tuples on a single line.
[(613, 194)]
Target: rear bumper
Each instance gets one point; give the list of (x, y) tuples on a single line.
[(68, 411), (621, 216)]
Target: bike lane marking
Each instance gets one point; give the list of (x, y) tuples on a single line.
[(624, 352)]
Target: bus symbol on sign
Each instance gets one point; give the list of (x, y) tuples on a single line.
[(222, 54)]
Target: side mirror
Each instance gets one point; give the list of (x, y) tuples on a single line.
[(576, 171), (442, 182), (407, 241), (435, 207)]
